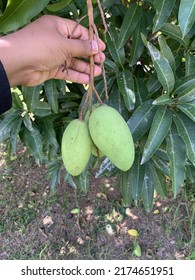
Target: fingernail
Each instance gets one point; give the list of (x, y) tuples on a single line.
[(94, 46)]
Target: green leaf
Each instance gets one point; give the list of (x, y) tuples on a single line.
[(20, 12), (141, 91), (164, 99), (116, 100), (184, 83), (33, 141), (106, 167), (162, 67), (31, 96), (161, 164), (166, 51), (188, 109), (163, 10), (126, 87), (42, 109), (118, 54), (110, 65), (130, 21), (159, 182), (185, 95), (55, 177), (137, 43), (28, 122), (126, 189), (189, 64), (141, 120), (177, 155), (136, 177), (175, 33), (159, 129), (185, 127), (48, 133), (148, 187), (16, 100), (8, 123), (186, 15), (190, 170), (14, 134), (58, 6), (153, 83), (52, 94)]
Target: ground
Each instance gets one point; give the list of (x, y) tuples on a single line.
[(35, 224)]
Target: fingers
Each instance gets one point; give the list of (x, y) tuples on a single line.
[(82, 48), (78, 73)]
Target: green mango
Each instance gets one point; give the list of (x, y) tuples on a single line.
[(76, 147), (112, 136)]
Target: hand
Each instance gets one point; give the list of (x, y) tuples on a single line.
[(44, 50)]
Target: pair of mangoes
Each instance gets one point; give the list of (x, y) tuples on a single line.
[(105, 130)]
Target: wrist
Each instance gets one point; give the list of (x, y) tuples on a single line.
[(11, 60)]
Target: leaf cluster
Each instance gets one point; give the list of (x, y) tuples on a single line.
[(150, 71)]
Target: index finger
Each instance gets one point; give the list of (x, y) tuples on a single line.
[(74, 30)]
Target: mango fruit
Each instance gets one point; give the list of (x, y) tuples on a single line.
[(76, 147), (112, 136)]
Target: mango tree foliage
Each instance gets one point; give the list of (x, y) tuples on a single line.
[(150, 74)]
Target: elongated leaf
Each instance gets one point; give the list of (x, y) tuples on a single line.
[(161, 164), (52, 94), (55, 178), (186, 15), (31, 96), (20, 12), (189, 64), (126, 189), (141, 91), (28, 122), (177, 154), (58, 6), (188, 109), (163, 68), (163, 10), (184, 83), (48, 133), (174, 32), (16, 100), (136, 177), (106, 167), (185, 127), (148, 187), (159, 129), (164, 99), (159, 182), (33, 141), (117, 53), (191, 173), (14, 134), (153, 83), (137, 43), (166, 51), (130, 21), (126, 86), (7, 124), (141, 120), (42, 109), (116, 100), (186, 95)]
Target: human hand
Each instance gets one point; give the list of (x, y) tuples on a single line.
[(43, 50)]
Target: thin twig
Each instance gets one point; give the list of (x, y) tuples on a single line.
[(102, 16)]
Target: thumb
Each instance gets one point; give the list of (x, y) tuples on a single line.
[(81, 48)]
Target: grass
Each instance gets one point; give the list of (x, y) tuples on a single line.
[(35, 224)]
